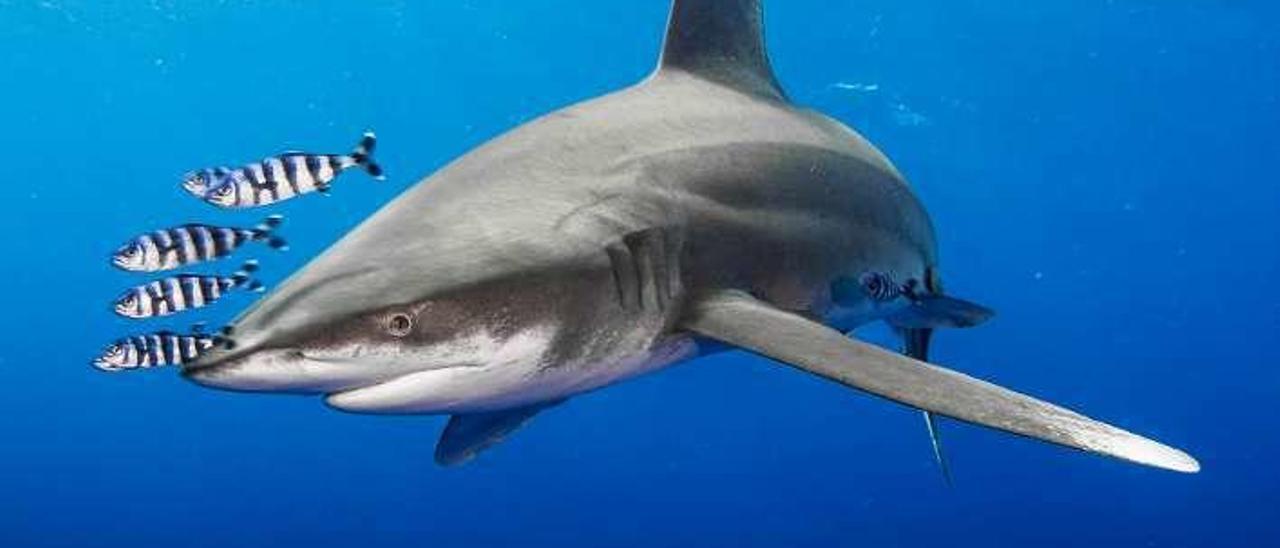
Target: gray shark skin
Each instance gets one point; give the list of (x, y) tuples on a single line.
[(610, 239)]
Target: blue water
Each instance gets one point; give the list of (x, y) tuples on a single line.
[(1102, 172)]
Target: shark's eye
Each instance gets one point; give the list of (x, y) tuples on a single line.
[(399, 325), (878, 286)]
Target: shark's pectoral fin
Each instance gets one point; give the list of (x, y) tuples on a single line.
[(940, 311), (467, 435), (740, 320)]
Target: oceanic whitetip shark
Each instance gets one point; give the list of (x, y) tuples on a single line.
[(695, 212)]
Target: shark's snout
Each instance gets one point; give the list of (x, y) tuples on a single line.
[(250, 360), (242, 369)]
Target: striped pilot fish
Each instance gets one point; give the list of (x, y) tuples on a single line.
[(291, 174), (199, 182), (190, 244), (153, 350), (176, 294)]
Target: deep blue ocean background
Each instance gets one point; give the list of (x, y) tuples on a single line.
[(1104, 173)]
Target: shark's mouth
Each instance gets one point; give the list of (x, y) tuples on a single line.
[(276, 370), (306, 371)]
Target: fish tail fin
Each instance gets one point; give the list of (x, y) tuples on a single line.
[(224, 342), (244, 277), (362, 155), (271, 222), (266, 232)]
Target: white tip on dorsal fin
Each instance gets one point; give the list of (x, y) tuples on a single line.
[(721, 41)]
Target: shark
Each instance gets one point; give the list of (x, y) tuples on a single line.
[(698, 211)]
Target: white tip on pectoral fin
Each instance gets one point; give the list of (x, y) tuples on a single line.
[(738, 319), (935, 440)]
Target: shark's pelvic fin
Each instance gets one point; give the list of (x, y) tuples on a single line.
[(915, 343), (467, 435), (738, 319), (721, 41)]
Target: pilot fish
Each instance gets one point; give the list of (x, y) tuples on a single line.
[(155, 349), (190, 244), (288, 175), (183, 292)]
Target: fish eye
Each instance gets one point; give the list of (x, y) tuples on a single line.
[(223, 191), (127, 305), (399, 325), (133, 250)]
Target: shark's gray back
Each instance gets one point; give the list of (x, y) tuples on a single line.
[(771, 198)]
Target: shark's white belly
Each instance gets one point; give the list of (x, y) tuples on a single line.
[(508, 378)]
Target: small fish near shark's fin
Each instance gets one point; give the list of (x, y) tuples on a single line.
[(738, 319), (467, 435), (721, 41)]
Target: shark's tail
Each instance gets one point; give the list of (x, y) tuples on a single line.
[(916, 345), (363, 155)]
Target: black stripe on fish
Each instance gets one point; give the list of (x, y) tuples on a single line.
[(173, 292), (153, 350), (180, 245), (336, 163), (208, 249), (268, 172), (189, 293), (209, 287), (137, 347), (223, 241), (291, 173), (313, 167), (164, 246)]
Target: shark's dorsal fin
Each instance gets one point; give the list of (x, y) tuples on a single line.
[(721, 41)]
